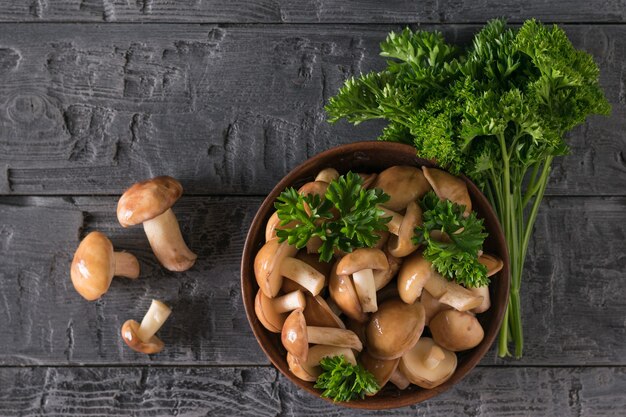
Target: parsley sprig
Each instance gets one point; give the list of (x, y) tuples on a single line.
[(346, 218), (343, 381), (456, 260)]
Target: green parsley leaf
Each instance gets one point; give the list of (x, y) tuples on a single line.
[(343, 381)]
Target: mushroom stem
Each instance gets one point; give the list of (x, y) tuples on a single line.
[(395, 222), (365, 287), (126, 265), (289, 302), (302, 273), (399, 380), (334, 337), (153, 320), (434, 357), (167, 242)]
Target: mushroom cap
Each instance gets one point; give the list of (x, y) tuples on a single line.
[(456, 330), (327, 175), (314, 187), (449, 187), (265, 311), (403, 184), (360, 259), (383, 277), (394, 329), (368, 179), (273, 224), (309, 370), (380, 368), (413, 276), (267, 265), (493, 264), (484, 293), (413, 364), (93, 266), (432, 306), (294, 335), (302, 370), (342, 292), (129, 334), (402, 244), (318, 313), (147, 199), (384, 237)]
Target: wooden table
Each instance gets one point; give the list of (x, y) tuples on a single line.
[(228, 96)]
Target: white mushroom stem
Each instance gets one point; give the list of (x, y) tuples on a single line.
[(167, 243), (434, 357), (153, 320), (289, 302), (327, 175), (451, 293), (303, 273), (333, 337), (126, 265), (395, 222), (365, 287), (399, 380)]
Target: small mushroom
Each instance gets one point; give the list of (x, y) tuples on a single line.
[(399, 379), (95, 264), (383, 277), (327, 175), (456, 330), (449, 187), (276, 260), (141, 337), (432, 306), (361, 265), (149, 202), (343, 294), (271, 312), (296, 336), (428, 365), (403, 184), (310, 369), (401, 244), (494, 265), (394, 329), (380, 368)]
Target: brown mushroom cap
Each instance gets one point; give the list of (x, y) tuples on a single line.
[(273, 224), (327, 175), (493, 264), (318, 313), (368, 179), (147, 199), (294, 336), (93, 266), (403, 184), (428, 365), (360, 259), (272, 312), (129, 335), (344, 295), (309, 370), (414, 273), (401, 245), (380, 368), (449, 187), (394, 329), (267, 265), (456, 330), (314, 187), (383, 277)]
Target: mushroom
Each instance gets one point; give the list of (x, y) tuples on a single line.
[(296, 336), (318, 313), (273, 224), (394, 329), (380, 368), (399, 379), (403, 184), (271, 312), (95, 264), (449, 187), (313, 260), (141, 337), (494, 265), (343, 294), (361, 265), (456, 330), (310, 369), (368, 179), (149, 202), (417, 273), (275, 260), (428, 365), (383, 277), (432, 306), (327, 175), (401, 243)]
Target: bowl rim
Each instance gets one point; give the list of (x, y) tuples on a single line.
[(261, 334)]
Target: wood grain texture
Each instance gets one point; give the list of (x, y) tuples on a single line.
[(306, 11), (573, 290), (88, 109), (259, 392)]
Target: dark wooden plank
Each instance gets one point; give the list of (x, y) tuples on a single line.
[(89, 109), (573, 292), (257, 392), (292, 11)]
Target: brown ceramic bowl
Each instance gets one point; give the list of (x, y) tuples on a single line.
[(374, 157)]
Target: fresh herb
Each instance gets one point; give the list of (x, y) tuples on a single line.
[(343, 381), (346, 218), (497, 110), (456, 258)]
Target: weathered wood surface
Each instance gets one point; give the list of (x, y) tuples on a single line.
[(307, 11), (258, 392), (88, 109), (573, 295)]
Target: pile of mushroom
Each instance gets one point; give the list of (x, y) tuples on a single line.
[(385, 307), (95, 263)]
